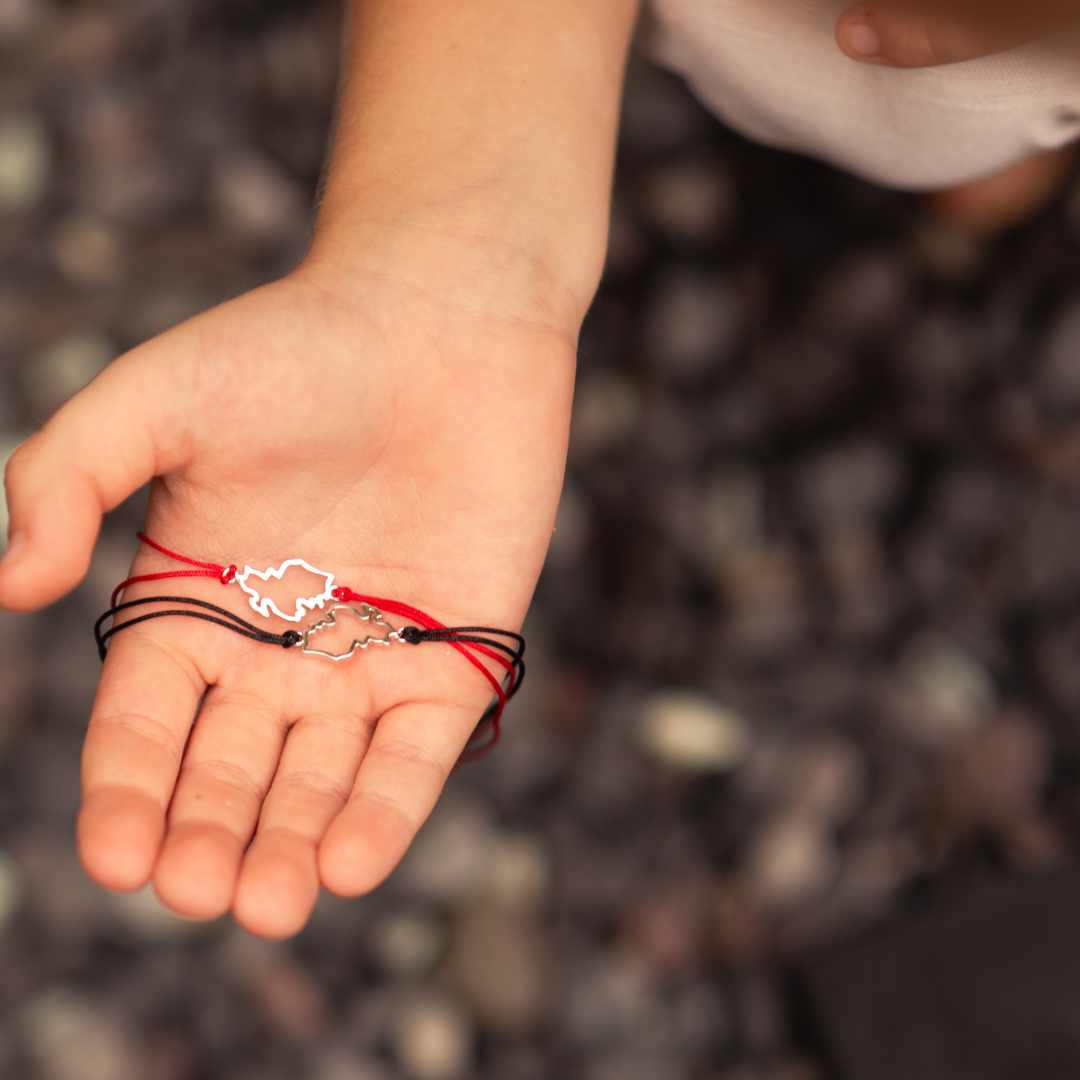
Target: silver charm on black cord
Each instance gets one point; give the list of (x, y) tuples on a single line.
[(366, 614)]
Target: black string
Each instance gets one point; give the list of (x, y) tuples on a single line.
[(222, 617), (471, 635), (414, 635)]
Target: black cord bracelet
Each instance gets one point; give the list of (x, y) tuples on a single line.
[(194, 608)]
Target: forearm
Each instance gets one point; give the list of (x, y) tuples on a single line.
[(479, 125)]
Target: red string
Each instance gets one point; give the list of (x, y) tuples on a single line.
[(345, 594), (224, 574), (216, 567)]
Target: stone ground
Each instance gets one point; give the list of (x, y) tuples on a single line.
[(803, 650)]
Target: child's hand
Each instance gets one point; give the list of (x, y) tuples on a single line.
[(395, 412), (925, 33), (410, 443)]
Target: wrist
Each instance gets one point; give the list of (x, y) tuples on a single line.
[(476, 261), (473, 151)]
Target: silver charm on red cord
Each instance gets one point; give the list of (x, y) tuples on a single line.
[(265, 606)]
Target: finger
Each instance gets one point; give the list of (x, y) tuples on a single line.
[(146, 702), (230, 760), (913, 33), (104, 444), (414, 747), (279, 880)]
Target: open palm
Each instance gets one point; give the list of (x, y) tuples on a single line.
[(412, 448)]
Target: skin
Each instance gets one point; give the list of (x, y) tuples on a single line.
[(396, 410), (926, 33)]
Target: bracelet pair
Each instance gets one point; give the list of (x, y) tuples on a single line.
[(480, 645)]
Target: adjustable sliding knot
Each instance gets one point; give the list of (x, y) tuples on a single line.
[(446, 634), (228, 575)]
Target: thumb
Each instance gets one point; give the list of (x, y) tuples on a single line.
[(101, 446), (914, 33)]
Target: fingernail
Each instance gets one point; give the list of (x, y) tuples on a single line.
[(13, 551), (862, 39)]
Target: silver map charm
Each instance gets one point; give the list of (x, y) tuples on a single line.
[(365, 613), (266, 607)]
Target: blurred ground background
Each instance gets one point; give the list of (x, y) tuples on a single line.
[(804, 654)]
